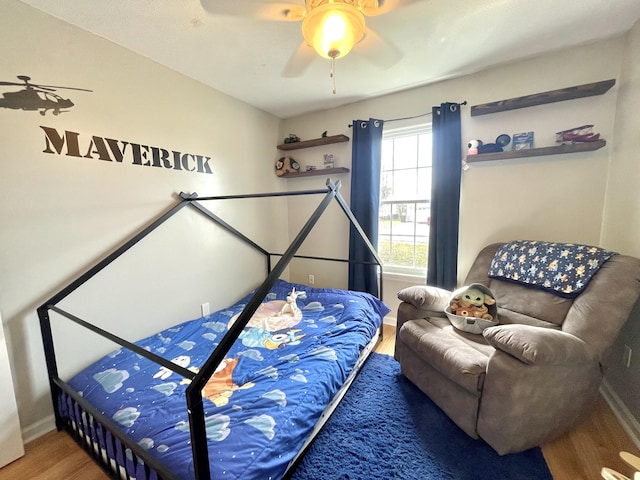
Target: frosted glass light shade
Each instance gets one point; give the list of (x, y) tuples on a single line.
[(333, 29)]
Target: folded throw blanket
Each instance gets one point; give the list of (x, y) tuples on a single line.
[(562, 268)]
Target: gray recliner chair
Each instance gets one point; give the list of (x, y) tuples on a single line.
[(529, 379)]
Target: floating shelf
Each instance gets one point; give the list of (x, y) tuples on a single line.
[(315, 173), (552, 96), (316, 142), (536, 152)]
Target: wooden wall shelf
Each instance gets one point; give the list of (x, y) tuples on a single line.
[(315, 173), (536, 152), (552, 96), (316, 142)]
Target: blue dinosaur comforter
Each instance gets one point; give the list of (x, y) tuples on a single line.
[(265, 397)]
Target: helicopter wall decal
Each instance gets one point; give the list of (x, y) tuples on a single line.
[(36, 97)]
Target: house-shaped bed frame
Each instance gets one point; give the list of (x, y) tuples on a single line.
[(195, 407)]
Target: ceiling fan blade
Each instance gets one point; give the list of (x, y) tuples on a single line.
[(378, 50), (264, 10), (385, 6), (299, 61)]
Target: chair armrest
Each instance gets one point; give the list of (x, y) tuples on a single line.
[(540, 346), (429, 301)]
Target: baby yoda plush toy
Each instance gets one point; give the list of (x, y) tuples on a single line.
[(473, 301)]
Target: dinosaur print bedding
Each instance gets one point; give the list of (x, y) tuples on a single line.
[(265, 397)]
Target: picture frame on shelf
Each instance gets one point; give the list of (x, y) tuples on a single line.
[(522, 141)]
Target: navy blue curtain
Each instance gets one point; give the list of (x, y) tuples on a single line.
[(442, 267), (365, 199)]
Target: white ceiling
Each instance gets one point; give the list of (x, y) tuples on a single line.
[(244, 56)]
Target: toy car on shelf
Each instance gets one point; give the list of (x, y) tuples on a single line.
[(580, 134)]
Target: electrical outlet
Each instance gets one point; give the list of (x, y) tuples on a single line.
[(626, 356), (312, 279), (204, 308)]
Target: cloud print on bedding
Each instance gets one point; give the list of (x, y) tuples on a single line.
[(217, 427), (111, 379), (283, 370), (166, 388), (264, 424), (126, 416)]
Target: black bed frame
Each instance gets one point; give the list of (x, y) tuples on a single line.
[(195, 406)]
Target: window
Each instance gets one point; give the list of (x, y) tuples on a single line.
[(405, 200)]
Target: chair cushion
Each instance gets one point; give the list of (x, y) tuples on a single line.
[(529, 306), (430, 301), (459, 356), (540, 346)]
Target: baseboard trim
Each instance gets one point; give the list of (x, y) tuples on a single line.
[(628, 422), (390, 321), (39, 428)]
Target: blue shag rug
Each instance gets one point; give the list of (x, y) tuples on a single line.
[(386, 428)]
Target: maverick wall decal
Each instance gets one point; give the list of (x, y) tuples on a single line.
[(121, 151), (36, 97)]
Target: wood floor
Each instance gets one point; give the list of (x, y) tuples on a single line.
[(578, 455)]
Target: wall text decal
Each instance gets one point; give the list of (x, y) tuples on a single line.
[(121, 151)]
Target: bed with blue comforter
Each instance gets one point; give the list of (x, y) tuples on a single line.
[(265, 398)]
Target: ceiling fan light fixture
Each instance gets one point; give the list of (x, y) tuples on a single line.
[(332, 29)]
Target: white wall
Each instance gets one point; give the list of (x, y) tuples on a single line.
[(589, 198), (553, 198), (10, 437), (59, 213), (621, 224)]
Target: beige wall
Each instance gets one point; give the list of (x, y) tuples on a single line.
[(589, 198), (621, 224), (554, 198), (59, 214)]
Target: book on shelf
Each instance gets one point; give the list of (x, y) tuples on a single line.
[(522, 141)]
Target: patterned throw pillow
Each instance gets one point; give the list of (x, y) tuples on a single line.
[(562, 268)]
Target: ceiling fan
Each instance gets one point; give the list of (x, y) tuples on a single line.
[(331, 27)]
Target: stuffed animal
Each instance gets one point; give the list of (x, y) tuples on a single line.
[(290, 307), (472, 302), (501, 141), (473, 146), (286, 165)]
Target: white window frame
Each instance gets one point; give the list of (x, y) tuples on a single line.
[(403, 129)]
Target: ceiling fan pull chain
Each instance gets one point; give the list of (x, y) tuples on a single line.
[(332, 74)]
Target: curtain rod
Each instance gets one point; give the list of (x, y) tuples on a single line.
[(411, 118)]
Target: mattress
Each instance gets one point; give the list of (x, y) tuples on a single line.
[(265, 398)]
